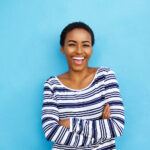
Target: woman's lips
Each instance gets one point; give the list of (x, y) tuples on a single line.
[(78, 60)]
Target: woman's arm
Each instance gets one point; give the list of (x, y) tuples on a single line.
[(52, 129), (105, 115), (104, 128)]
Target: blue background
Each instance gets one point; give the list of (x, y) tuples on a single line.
[(30, 53)]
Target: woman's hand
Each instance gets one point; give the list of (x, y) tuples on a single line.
[(106, 112), (65, 123)]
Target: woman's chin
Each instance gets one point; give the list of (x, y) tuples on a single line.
[(78, 68)]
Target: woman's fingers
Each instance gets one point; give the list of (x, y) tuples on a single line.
[(105, 109), (65, 123), (106, 112)]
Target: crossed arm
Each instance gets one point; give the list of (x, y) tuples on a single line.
[(105, 115)]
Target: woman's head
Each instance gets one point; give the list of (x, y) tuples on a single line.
[(75, 25), (76, 42)]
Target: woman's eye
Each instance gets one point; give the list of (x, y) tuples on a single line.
[(71, 44), (86, 45)]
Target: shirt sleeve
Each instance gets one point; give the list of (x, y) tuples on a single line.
[(104, 128), (52, 130)]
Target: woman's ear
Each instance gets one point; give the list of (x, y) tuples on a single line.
[(62, 50)]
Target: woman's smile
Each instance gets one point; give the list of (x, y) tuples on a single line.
[(78, 60)]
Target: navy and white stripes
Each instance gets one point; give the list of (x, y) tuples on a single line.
[(84, 108)]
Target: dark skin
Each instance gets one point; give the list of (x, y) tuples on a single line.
[(78, 43)]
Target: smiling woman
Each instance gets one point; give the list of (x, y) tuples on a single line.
[(82, 108)]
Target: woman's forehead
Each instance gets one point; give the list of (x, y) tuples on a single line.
[(76, 33)]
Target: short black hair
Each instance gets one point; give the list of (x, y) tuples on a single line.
[(74, 25)]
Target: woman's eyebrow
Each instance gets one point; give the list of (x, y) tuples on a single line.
[(86, 41), (72, 41)]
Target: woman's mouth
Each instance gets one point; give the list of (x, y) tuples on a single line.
[(78, 60)]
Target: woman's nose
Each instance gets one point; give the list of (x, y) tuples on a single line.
[(79, 49)]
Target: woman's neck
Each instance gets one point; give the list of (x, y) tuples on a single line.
[(78, 75)]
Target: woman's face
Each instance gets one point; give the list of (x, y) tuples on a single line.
[(77, 49)]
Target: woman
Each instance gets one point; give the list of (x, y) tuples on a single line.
[(82, 108)]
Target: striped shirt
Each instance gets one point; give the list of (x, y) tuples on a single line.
[(84, 108)]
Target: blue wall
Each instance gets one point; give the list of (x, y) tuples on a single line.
[(30, 53)]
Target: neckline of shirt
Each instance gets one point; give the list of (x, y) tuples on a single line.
[(79, 89)]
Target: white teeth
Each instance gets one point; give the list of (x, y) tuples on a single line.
[(78, 58)]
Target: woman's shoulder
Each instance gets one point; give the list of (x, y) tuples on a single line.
[(108, 72), (103, 69), (51, 80)]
